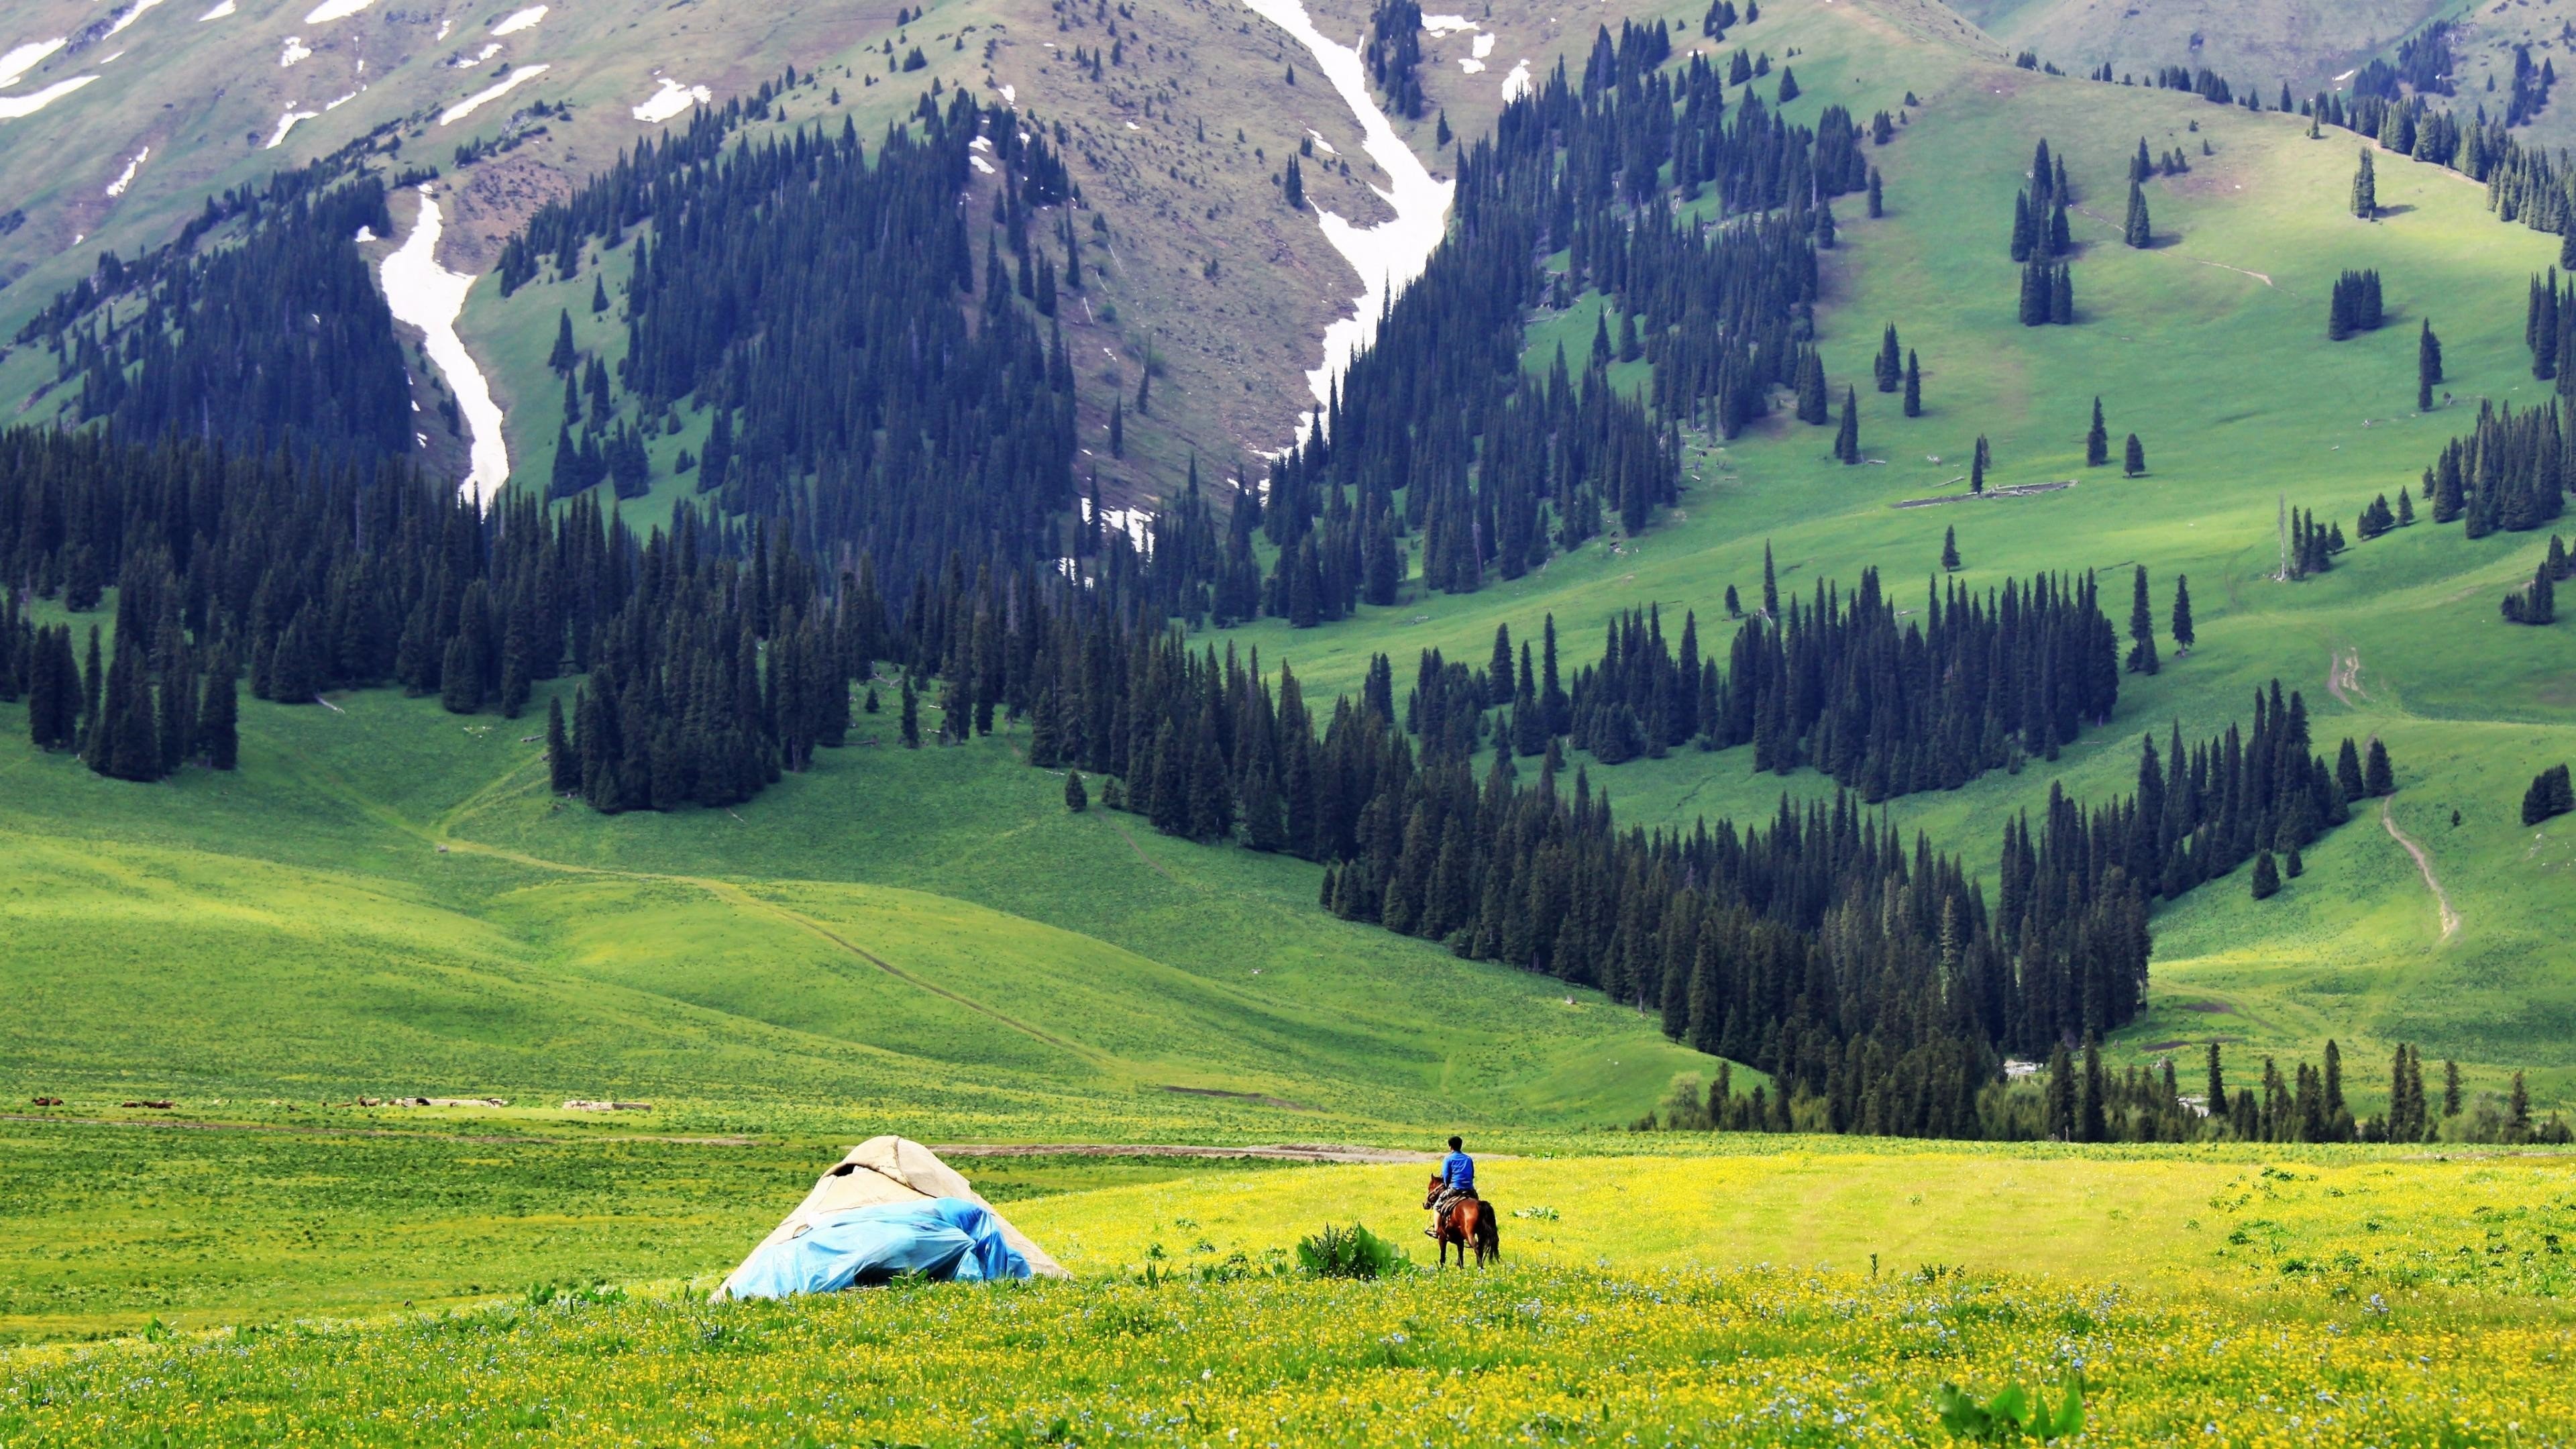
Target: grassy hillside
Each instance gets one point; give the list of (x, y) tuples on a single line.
[(2211, 346), (2306, 43), (385, 902)]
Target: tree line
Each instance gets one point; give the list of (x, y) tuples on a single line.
[(1885, 707), (714, 659)]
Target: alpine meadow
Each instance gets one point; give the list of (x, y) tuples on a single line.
[(1881, 679)]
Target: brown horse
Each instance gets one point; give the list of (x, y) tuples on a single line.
[(1468, 1222)]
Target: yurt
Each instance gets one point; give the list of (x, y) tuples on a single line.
[(889, 1208)]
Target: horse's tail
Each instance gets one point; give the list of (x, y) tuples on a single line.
[(1489, 1230)]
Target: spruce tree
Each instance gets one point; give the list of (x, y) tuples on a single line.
[(563, 767), (598, 294), (565, 357), (1076, 798), (2134, 459), (1950, 550), (911, 714), (93, 680), (2090, 1124), (2450, 1088), (2377, 773), (2142, 626), (2097, 440), (1811, 389), (219, 717), (2061, 1111), (1977, 466), (1117, 427), (1847, 437), (2137, 232), (2267, 877), (2365, 189), (1890, 369), (1913, 386), (2428, 367)]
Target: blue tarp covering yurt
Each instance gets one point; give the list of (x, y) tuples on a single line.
[(940, 1238), (889, 1208)]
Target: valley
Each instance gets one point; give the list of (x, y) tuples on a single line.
[(854, 695)]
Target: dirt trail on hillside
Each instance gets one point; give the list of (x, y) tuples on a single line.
[(2091, 215), (190, 1124), (2424, 863), (2343, 676)]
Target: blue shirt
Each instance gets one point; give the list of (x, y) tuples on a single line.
[(1459, 1171)]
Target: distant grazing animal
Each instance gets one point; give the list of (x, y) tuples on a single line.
[(1468, 1222)]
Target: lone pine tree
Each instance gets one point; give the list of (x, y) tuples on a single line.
[(2551, 794), (2428, 367), (2182, 634), (2097, 440), (1913, 385), (2365, 189), (1847, 436), (2142, 626), (2137, 231), (1890, 367), (2134, 461), (1950, 550)]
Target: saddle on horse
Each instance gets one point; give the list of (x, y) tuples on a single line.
[(1442, 1201)]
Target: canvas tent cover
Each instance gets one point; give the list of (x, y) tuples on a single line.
[(890, 1206)]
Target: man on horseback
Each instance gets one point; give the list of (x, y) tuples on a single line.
[(1457, 1181)]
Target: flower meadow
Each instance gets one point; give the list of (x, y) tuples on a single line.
[(1806, 1293), (1512, 1356)]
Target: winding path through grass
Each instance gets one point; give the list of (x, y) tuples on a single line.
[(2424, 863)]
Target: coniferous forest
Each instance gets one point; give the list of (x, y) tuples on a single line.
[(1436, 432)]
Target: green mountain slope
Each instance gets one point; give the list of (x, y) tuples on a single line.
[(386, 902), (2305, 43), (2212, 346)]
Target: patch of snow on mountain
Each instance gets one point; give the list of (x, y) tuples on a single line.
[(286, 123), (295, 50), (330, 10), (1443, 24), (224, 9), (429, 296), (125, 178), (129, 15), (14, 107), (673, 99), (1517, 83), (520, 20), (22, 59), (476, 101)]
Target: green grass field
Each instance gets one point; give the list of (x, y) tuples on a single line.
[(1819, 1292)]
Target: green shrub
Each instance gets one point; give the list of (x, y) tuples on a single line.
[(1352, 1252)]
